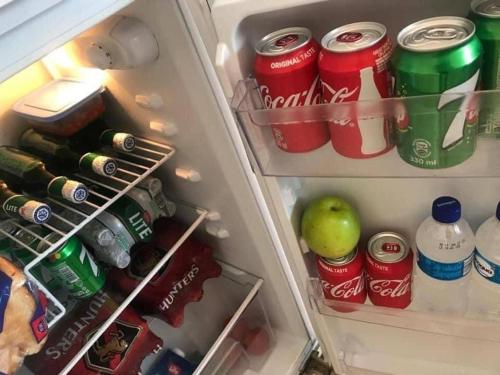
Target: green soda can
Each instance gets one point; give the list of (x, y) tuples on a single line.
[(486, 16), (74, 267), (440, 55)]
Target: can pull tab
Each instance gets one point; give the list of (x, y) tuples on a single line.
[(442, 33), (391, 247)]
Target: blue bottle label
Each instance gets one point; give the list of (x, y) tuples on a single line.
[(444, 271), (487, 269)]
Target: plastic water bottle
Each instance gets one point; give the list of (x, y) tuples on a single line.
[(484, 293), (445, 248)]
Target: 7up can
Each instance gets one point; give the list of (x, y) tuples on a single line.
[(74, 267), (440, 57)]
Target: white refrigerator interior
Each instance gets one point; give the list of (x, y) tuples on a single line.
[(180, 94)]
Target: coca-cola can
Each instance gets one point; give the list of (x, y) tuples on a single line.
[(353, 66), (389, 269), (343, 279), (287, 73)]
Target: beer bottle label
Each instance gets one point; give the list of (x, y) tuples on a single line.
[(99, 164), (136, 220), (119, 141), (70, 190), (27, 209)]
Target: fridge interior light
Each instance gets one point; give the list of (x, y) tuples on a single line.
[(62, 63)]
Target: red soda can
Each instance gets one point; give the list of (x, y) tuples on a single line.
[(353, 67), (343, 279), (389, 268), (286, 70)]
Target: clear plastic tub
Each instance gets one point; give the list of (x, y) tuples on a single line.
[(62, 107)]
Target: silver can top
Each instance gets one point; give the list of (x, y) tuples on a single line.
[(436, 34), (283, 41), (388, 247), (353, 37), (486, 8), (342, 261), (26, 237)]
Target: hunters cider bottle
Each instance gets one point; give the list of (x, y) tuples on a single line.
[(25, 172), (59, 153)]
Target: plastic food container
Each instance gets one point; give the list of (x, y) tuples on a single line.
[(63, 106)]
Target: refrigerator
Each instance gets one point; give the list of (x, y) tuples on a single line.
[(191, 100)]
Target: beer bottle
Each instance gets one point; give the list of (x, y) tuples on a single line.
[(21, 207), (58, 152), (97, 134), (24, 172)]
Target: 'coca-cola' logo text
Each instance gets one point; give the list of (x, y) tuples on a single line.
[(330, 95), (390, 288), (346, 289), (306, 97)]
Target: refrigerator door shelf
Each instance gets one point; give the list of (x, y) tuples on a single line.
[(263, 128), (376, 340), (133, 167), (484, 327)]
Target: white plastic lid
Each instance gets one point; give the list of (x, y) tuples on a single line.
[(56, 99)]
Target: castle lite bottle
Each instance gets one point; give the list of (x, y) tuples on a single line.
[(97, 134), (24, 172), (21, 207), (59, 153)]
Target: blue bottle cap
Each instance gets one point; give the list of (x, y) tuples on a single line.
[(446, 210), (498, 211)]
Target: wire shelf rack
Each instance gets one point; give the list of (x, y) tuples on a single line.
[(133, 167)]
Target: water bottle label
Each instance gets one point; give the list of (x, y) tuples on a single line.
[(487, 269), (444, 271)]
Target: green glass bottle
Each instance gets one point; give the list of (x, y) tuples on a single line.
[(21, 207), (58, 153), (24, 172), (97, 134)]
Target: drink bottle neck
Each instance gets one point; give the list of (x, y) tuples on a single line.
[(5, 192)]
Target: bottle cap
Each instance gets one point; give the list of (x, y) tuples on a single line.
[(498, 211), (446, 210), (70, 190), (99, 164), (119, 141), (124, 142), (35, 212), (105, 237)]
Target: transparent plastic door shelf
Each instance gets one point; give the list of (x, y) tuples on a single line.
[(420, 112)]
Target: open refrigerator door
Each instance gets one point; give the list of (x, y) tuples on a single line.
[(182, 293), (389, 192)]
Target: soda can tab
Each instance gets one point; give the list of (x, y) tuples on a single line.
[(179, 283)]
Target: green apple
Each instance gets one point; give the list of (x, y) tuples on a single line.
[(330, 227)]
